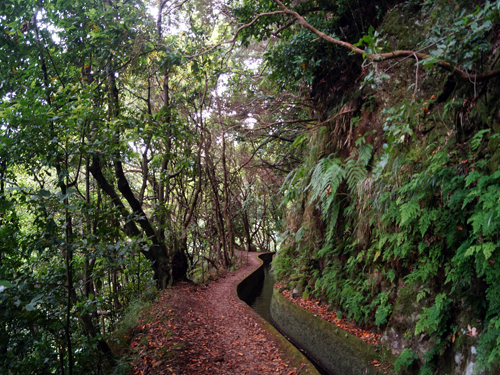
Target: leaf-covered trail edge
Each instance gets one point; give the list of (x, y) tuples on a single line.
[(206, 330)]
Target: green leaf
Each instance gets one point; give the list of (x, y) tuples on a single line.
[(6, 284), (299, 234), (405, 360), (31, 306), (44, 193), (488, 249)]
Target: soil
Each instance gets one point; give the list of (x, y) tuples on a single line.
[(207, 330)]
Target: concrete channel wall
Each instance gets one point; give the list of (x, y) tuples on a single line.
[(336, 350), (248, 286)]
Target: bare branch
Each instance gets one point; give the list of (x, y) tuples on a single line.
[(285, 26), (331, 119), (282, 122)]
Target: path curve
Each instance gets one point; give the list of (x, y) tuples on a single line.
[(217, 333)]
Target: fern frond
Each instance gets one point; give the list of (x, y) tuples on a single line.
[(290, 188), (355, 174), (286, 182), (330, 211), (365, 154), (325, 179), (356, 167)]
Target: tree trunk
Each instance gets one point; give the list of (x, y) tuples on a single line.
[(156, 253), (246, 228), (229, 224)]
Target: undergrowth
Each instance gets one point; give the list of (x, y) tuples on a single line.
[(135, 314)]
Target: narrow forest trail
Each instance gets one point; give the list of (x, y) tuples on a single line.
[(214, 332)]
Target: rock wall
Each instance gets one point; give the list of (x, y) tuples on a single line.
[(462, 357), (390, 263)]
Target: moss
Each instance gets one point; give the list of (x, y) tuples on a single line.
[(405, 311), (404, 304), (494, 124), (403, 27), (433, 82), (296, 358), (494, 161), (399, 334)]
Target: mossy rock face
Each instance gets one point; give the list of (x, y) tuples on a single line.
[(495, 161), (462, 356), (458, 356), (408, 24), (486, 115), (404, 27), (399, 334), (445, 114), (407, 27)]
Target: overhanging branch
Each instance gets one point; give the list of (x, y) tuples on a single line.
[(464, 75)]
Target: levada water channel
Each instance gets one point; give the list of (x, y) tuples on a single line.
[(260, 301)]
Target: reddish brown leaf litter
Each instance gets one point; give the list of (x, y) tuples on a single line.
[(314, 306), (207, 330)]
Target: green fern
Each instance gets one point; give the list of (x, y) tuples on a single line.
[(365, 154), (289, 188), (409, 212), (328, 173), (405, 360), (356, 167), (325, 181), (431, 319)]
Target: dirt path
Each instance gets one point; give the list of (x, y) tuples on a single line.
[(214, 333)]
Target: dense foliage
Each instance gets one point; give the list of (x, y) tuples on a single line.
[(124, 166)]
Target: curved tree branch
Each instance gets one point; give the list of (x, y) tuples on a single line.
[(463, 75)]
